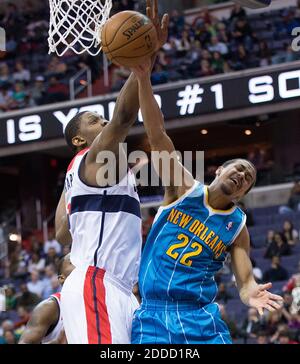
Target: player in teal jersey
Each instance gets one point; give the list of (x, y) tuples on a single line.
[(194, 230)]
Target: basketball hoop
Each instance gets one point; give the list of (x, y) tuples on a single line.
[(76, 25)]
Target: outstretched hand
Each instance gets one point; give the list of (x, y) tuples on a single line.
[(261, 299), (160, 26)]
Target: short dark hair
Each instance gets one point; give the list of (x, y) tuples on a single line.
[(232, 161), (72, 130)]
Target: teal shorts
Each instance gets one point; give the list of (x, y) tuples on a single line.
[(166, 322)]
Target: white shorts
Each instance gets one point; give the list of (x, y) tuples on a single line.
[(96, 309)]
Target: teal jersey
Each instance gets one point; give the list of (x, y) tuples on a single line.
[(186, 247)]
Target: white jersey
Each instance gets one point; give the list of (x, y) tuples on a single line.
[(105, 224), (56, 330)]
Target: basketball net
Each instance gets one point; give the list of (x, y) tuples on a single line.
[(76, 25)]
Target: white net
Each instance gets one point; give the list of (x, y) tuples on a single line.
[(76, 25)]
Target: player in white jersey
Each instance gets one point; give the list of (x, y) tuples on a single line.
[(46, 325), (104, 221)]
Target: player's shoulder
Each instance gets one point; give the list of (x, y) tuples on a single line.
[(46, 309), (76, 157)]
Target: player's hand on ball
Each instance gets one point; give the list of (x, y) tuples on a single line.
[(143, 70), (261, 299), (160, 26)]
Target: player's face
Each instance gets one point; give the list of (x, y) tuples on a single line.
[(236, 179), (91, 126)]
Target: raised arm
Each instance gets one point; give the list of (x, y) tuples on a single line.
[(42, 318), (176, 179), (62, 232), (252, 294), (126, 109), (127, 105)]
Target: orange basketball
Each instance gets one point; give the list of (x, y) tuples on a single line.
[(128, 38)]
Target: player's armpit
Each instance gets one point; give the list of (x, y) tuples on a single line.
[(42, 318)]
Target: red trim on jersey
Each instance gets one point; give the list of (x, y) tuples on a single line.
[(95, 280), (77, 155), (57, 295)]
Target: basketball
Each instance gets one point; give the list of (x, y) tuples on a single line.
[(254, 4), (128, 38)]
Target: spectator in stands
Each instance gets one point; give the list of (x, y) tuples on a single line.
[(264, 54), (294, 200), (270, 238), (38, 90), (52, 243), (6, 325), (19, 96), (278, 248), (281, 327), (287, 301), (56, 67), (57, 91), (242, 33), (10, 337), (223, 295), (21, 74), (5, 76), (26, 298), (205, 16), (285, 338), (205, 69), (288, 56), (183, 44), (47, 281), (237, 12), (35, 285), (52, 257), (159, 75), (119, 76), (177, 22), (12, 18), (276, 272), (262, 338), (296, 296), (36, 263), (257, 272), (233, 329), (218, 63), (17, 266), (252, 325), (292, 283), (24, 315), (291, 235), (240, 59), (10, 298), (274, 322), (294, 322), (217, 46), (6, 97)]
